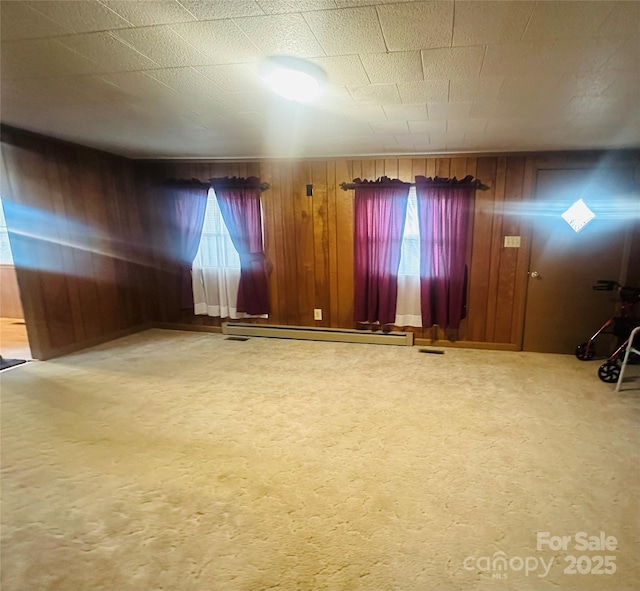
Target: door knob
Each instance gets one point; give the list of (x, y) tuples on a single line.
[(534, 274)]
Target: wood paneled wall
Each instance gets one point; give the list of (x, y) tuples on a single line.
[(97, 268), (10, 304), (77, 241), (309, 240)]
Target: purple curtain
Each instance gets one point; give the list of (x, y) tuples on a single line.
[(379, 213), (444, 214), (239, 201), (188, 203)]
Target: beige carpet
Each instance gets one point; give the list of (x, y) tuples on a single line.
[(183, 461)]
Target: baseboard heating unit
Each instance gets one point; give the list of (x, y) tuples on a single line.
[(317, 334)]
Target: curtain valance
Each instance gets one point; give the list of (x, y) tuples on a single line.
[(226, 182), (436, 182)]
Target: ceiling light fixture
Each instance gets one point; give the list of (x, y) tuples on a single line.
[(294, 78)]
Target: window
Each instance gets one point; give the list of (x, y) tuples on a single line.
[(408, 311), (6, 257), (216, 250), (216, 268), (410, 250)]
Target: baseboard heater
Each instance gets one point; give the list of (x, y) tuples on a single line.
[(317, 334)]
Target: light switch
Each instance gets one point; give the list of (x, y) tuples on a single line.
[(512, 241)]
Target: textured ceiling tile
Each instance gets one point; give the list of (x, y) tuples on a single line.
[(624, 19), (390, 127), (44, 92), (285, 34), (623, 86), (560, 20), (347, 31), (453, 63), (478, 88), (422, 127), (365, 113), (343, 69), (99, 89), (138, 84), (592, 105), (501, 124), (466, 125), (150, 12), (552, 110), (41, 57), (627, 56), (515, 89), (445, 140), (336, 97), (357, 3), (489, 109), (406, 112), (375, 94), (425, 91), (80, 16), (233, 77), (186, 80), (581, 55), (162, 45), (392, 67), (406, 142), (238, 102), (19, 21), (512, 59), (221, 42), (206, 10), (424, 147), (109, 53), (416, 25), (478, 23), (439, 111), (282, 6)]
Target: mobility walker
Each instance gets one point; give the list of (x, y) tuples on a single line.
[(621, 326)]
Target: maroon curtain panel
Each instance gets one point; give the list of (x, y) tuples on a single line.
[(444, 214), (379, 216), (188, 204), (239, 201)]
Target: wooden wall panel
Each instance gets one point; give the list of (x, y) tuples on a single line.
[(79, 267), (344, 230), (320, 220), (10, 304), (309, 240)]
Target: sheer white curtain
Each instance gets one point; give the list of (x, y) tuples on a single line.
[(408, 311), (216, 268)]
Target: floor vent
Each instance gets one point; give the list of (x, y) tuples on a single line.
[(234, 338), (317, 334)]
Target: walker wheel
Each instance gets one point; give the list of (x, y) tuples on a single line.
[(609, 372), (584, 352)]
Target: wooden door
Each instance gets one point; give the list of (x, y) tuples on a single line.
[(562, 309)]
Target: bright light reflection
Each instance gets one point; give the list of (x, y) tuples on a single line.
[(39, 239), (578, 215), (293, 85)]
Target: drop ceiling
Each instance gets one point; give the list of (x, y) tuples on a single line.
[(178, 79)]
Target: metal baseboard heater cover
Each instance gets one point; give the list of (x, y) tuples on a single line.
[(308, 333)]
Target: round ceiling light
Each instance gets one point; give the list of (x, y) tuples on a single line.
[(294, 78)]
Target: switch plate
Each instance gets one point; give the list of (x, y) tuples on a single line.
[(317, 314), (512, 241)]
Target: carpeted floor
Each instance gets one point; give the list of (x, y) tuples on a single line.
[(183, 461)]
